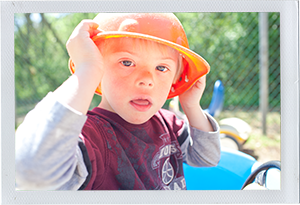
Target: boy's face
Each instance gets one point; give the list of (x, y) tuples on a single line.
[(137, 79)]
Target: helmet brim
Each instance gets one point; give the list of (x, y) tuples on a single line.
[(197, 66)]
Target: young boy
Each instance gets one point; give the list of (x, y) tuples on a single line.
[(128, 141)]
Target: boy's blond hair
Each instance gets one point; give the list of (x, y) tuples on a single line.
[(106, 45)]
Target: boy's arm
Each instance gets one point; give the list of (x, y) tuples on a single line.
[(190, 100), (201, 149), (204, 147), (47, 154), (78, 91)]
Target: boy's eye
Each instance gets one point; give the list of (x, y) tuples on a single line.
[(161, 68), (127, 63)]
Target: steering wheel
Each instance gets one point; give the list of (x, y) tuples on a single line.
[(259, 173)]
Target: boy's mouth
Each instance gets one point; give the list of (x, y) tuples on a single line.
[(141, 105)]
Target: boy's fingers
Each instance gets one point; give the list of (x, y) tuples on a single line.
[(95, 32), (200, 83), (92, 27), (89, 26), (80, 45), (202, 80)]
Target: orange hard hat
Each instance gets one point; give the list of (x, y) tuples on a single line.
[(163, 28)]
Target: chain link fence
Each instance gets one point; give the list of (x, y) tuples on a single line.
[(231, 46), (228, 41)]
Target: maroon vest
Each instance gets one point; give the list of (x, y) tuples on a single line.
[(133, 157)]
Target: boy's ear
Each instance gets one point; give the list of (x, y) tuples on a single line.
[(179, 70)]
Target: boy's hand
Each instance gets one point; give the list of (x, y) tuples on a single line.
[(190, 102), (191, 98), (81, 48)]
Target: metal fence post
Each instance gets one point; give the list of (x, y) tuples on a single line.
[(264, 68)]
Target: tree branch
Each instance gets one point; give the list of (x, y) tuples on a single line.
[(61, 44)]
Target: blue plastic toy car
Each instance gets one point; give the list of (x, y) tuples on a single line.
[(235, 171)]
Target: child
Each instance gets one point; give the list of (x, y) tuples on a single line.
[(128, 141)]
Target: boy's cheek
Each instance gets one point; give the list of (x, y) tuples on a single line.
[(124, 73), (163, 91), (117, 71)]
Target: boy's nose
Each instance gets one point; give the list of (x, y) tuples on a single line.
[(145, 79)]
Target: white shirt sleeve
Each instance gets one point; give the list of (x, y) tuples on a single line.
[(202, 149), (47, 155)]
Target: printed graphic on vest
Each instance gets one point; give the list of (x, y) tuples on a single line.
[(167, 161)]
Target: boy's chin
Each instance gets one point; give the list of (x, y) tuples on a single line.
[(137, 120)]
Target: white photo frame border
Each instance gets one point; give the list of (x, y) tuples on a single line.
[(289, 54)]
